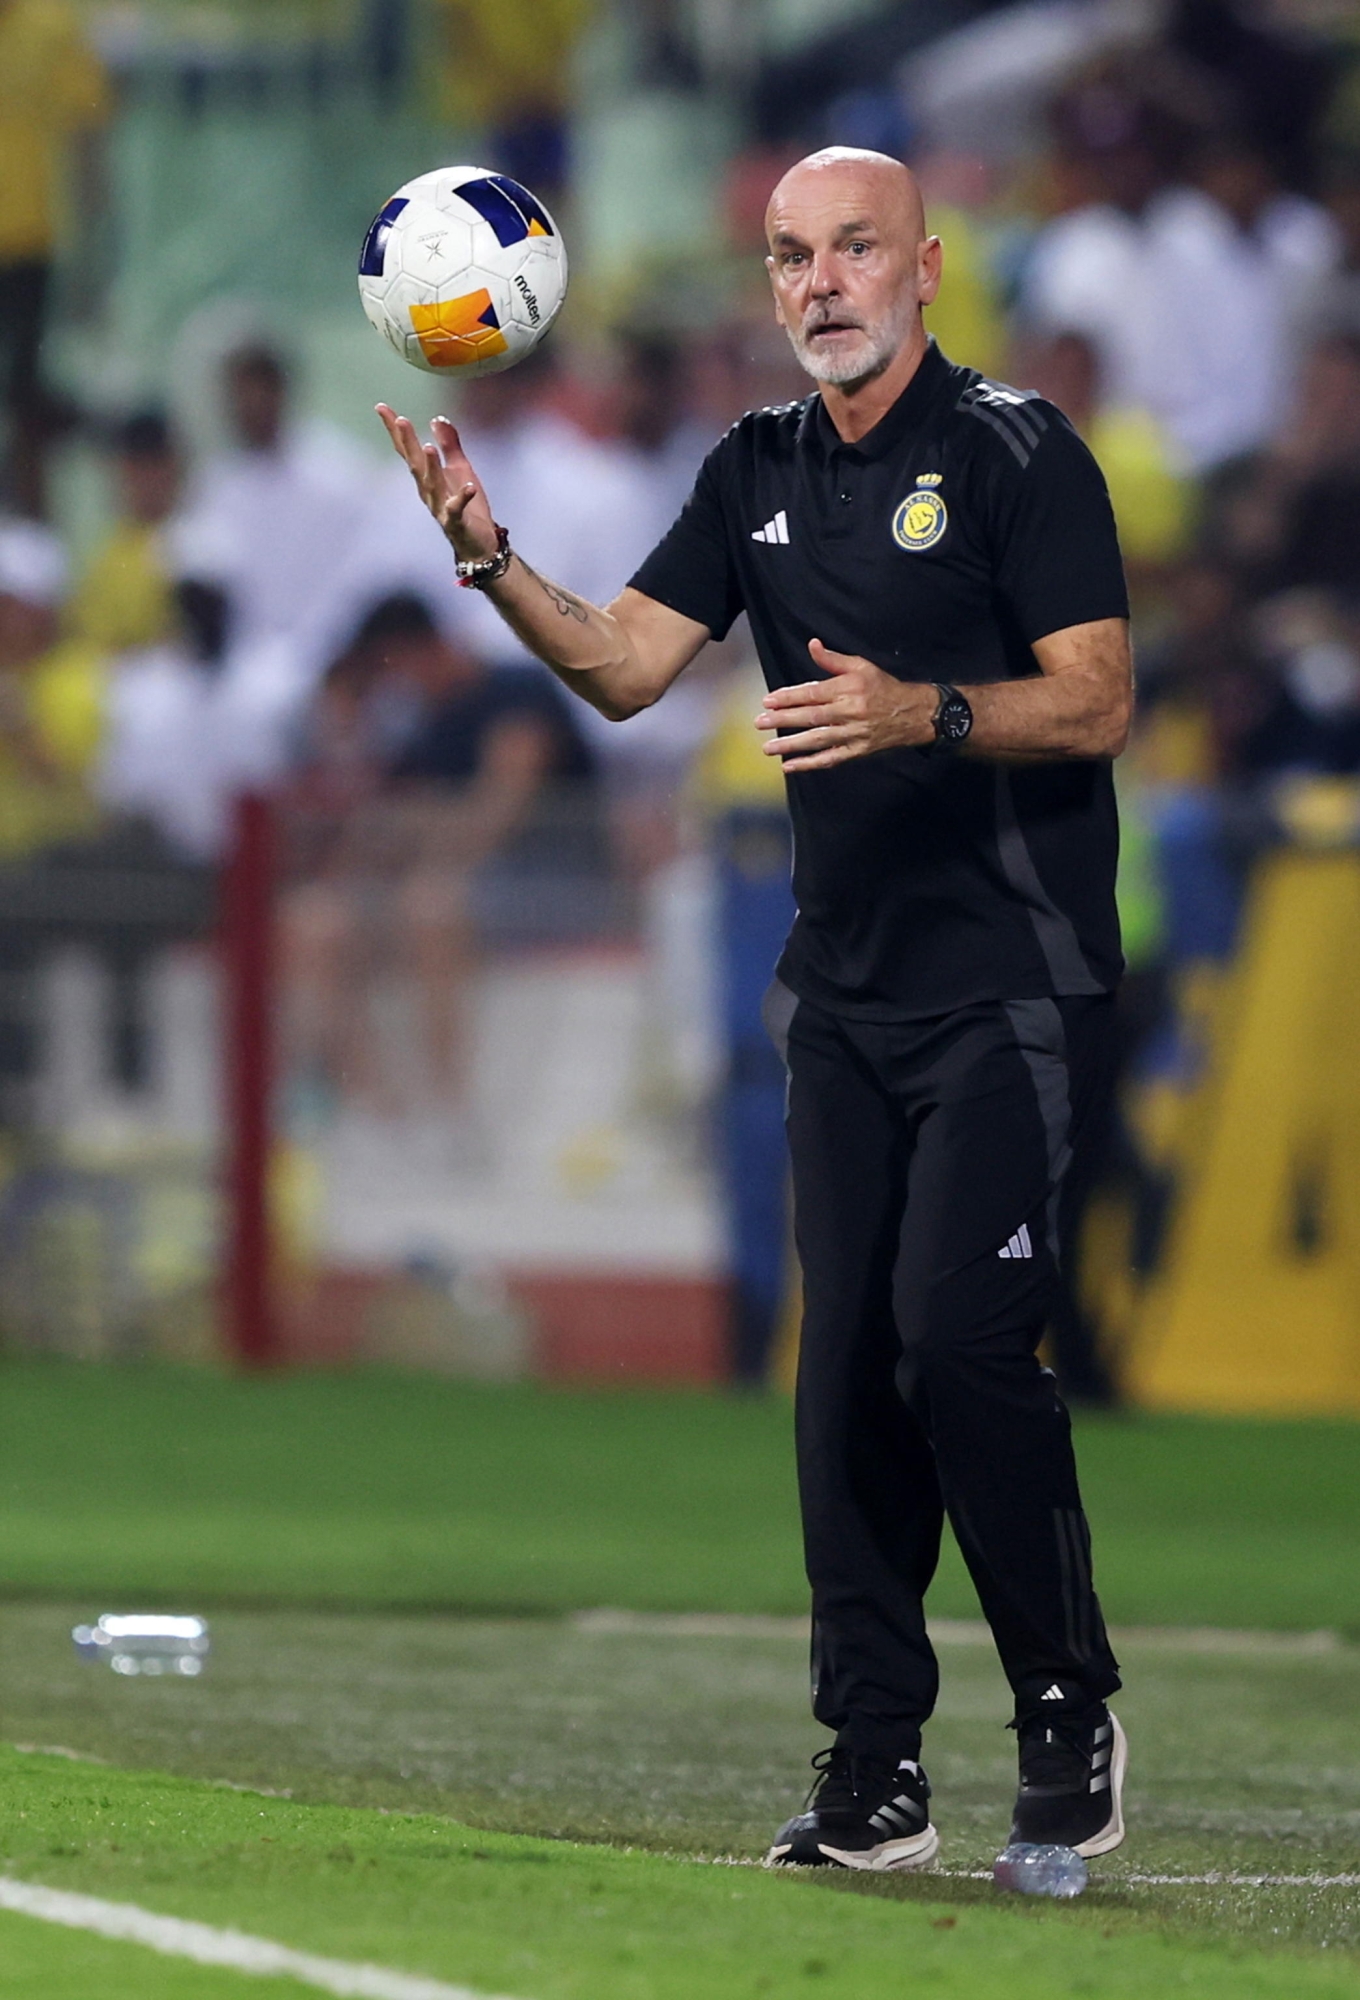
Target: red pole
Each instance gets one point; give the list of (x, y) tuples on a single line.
[(247, 944)]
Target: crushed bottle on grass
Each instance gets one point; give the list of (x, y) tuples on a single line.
[(1033, 1868), (145, 1642)]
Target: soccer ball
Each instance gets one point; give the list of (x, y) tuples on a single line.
[(462, 271)]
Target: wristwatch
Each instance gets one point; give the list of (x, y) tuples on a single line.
[(953, 719)]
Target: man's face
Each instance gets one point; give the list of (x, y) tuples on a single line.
[(148, 484), (851, 266), (27, 630), (257, 400), (425, 661), (1329, 396)]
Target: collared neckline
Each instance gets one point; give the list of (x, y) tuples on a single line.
[(895, 423)]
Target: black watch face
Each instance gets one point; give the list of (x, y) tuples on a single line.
[(954, 720)]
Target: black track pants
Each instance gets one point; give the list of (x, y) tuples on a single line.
[(929, 1164)]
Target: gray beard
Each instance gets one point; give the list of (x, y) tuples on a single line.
[(880, 346)]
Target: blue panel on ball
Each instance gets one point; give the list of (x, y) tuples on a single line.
[(375, 243), (523, 200), (494, 205)]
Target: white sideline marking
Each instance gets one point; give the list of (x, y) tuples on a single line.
[(947, 1632), (688, 1624), (175, 1937), (1217, 1880), (58, 1750), (1223, 1639), (1224, 1881), (261, 1958)]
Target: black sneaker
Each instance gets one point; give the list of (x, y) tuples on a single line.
[(1072, 1763), (867, 1812)]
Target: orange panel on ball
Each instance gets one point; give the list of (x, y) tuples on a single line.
[(456, 331)]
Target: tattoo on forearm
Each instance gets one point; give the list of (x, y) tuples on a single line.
[(569, 606)]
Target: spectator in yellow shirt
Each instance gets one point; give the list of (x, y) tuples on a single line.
[(1152, 495), (967, 318), (52, 701), (53, 93), (506, 65), (122, 601)]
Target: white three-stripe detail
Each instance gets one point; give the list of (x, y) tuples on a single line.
[(1019, 1245), (776, 530)]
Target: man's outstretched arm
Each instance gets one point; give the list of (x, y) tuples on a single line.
[(620, 659)]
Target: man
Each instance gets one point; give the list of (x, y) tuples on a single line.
[(494, 770), (123, 599), (946, 990), (276, 516), (1153, 500), (579, 507), (52, 701), (53, 693), (54, 103), (1186, 291), (576, 500)]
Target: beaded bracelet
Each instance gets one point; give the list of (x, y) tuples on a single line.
[(482, 570)]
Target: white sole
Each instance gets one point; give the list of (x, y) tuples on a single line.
[(891, 1856), (1111, 1835), (918, 1852)]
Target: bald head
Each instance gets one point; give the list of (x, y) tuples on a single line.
[(851, 264), (851, 174)]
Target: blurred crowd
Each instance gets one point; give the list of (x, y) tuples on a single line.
[(1171, 254)]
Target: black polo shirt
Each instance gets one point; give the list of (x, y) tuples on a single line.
[(969, 522)]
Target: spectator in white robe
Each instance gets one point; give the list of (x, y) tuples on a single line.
[(283, 505), (1183, 266)]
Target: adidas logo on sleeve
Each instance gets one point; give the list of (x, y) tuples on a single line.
[(1019, 1245), (776, 530)]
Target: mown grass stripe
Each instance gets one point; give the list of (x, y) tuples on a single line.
[(175, 1937), (376, 1489), (1208, 1639)]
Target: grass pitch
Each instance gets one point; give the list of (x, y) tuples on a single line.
[(694, 1743), (558, 1919), (449, 1773), (553, 1919), (398, 1491)]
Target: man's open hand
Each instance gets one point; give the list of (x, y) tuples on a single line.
[(446, 483), (855, 712)]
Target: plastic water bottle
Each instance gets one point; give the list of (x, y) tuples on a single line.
[(145, 1642), (1034, 1869)]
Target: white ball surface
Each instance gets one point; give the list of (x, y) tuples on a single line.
[(463, 271)]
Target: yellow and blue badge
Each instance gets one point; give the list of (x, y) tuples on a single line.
[(922, 517)]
